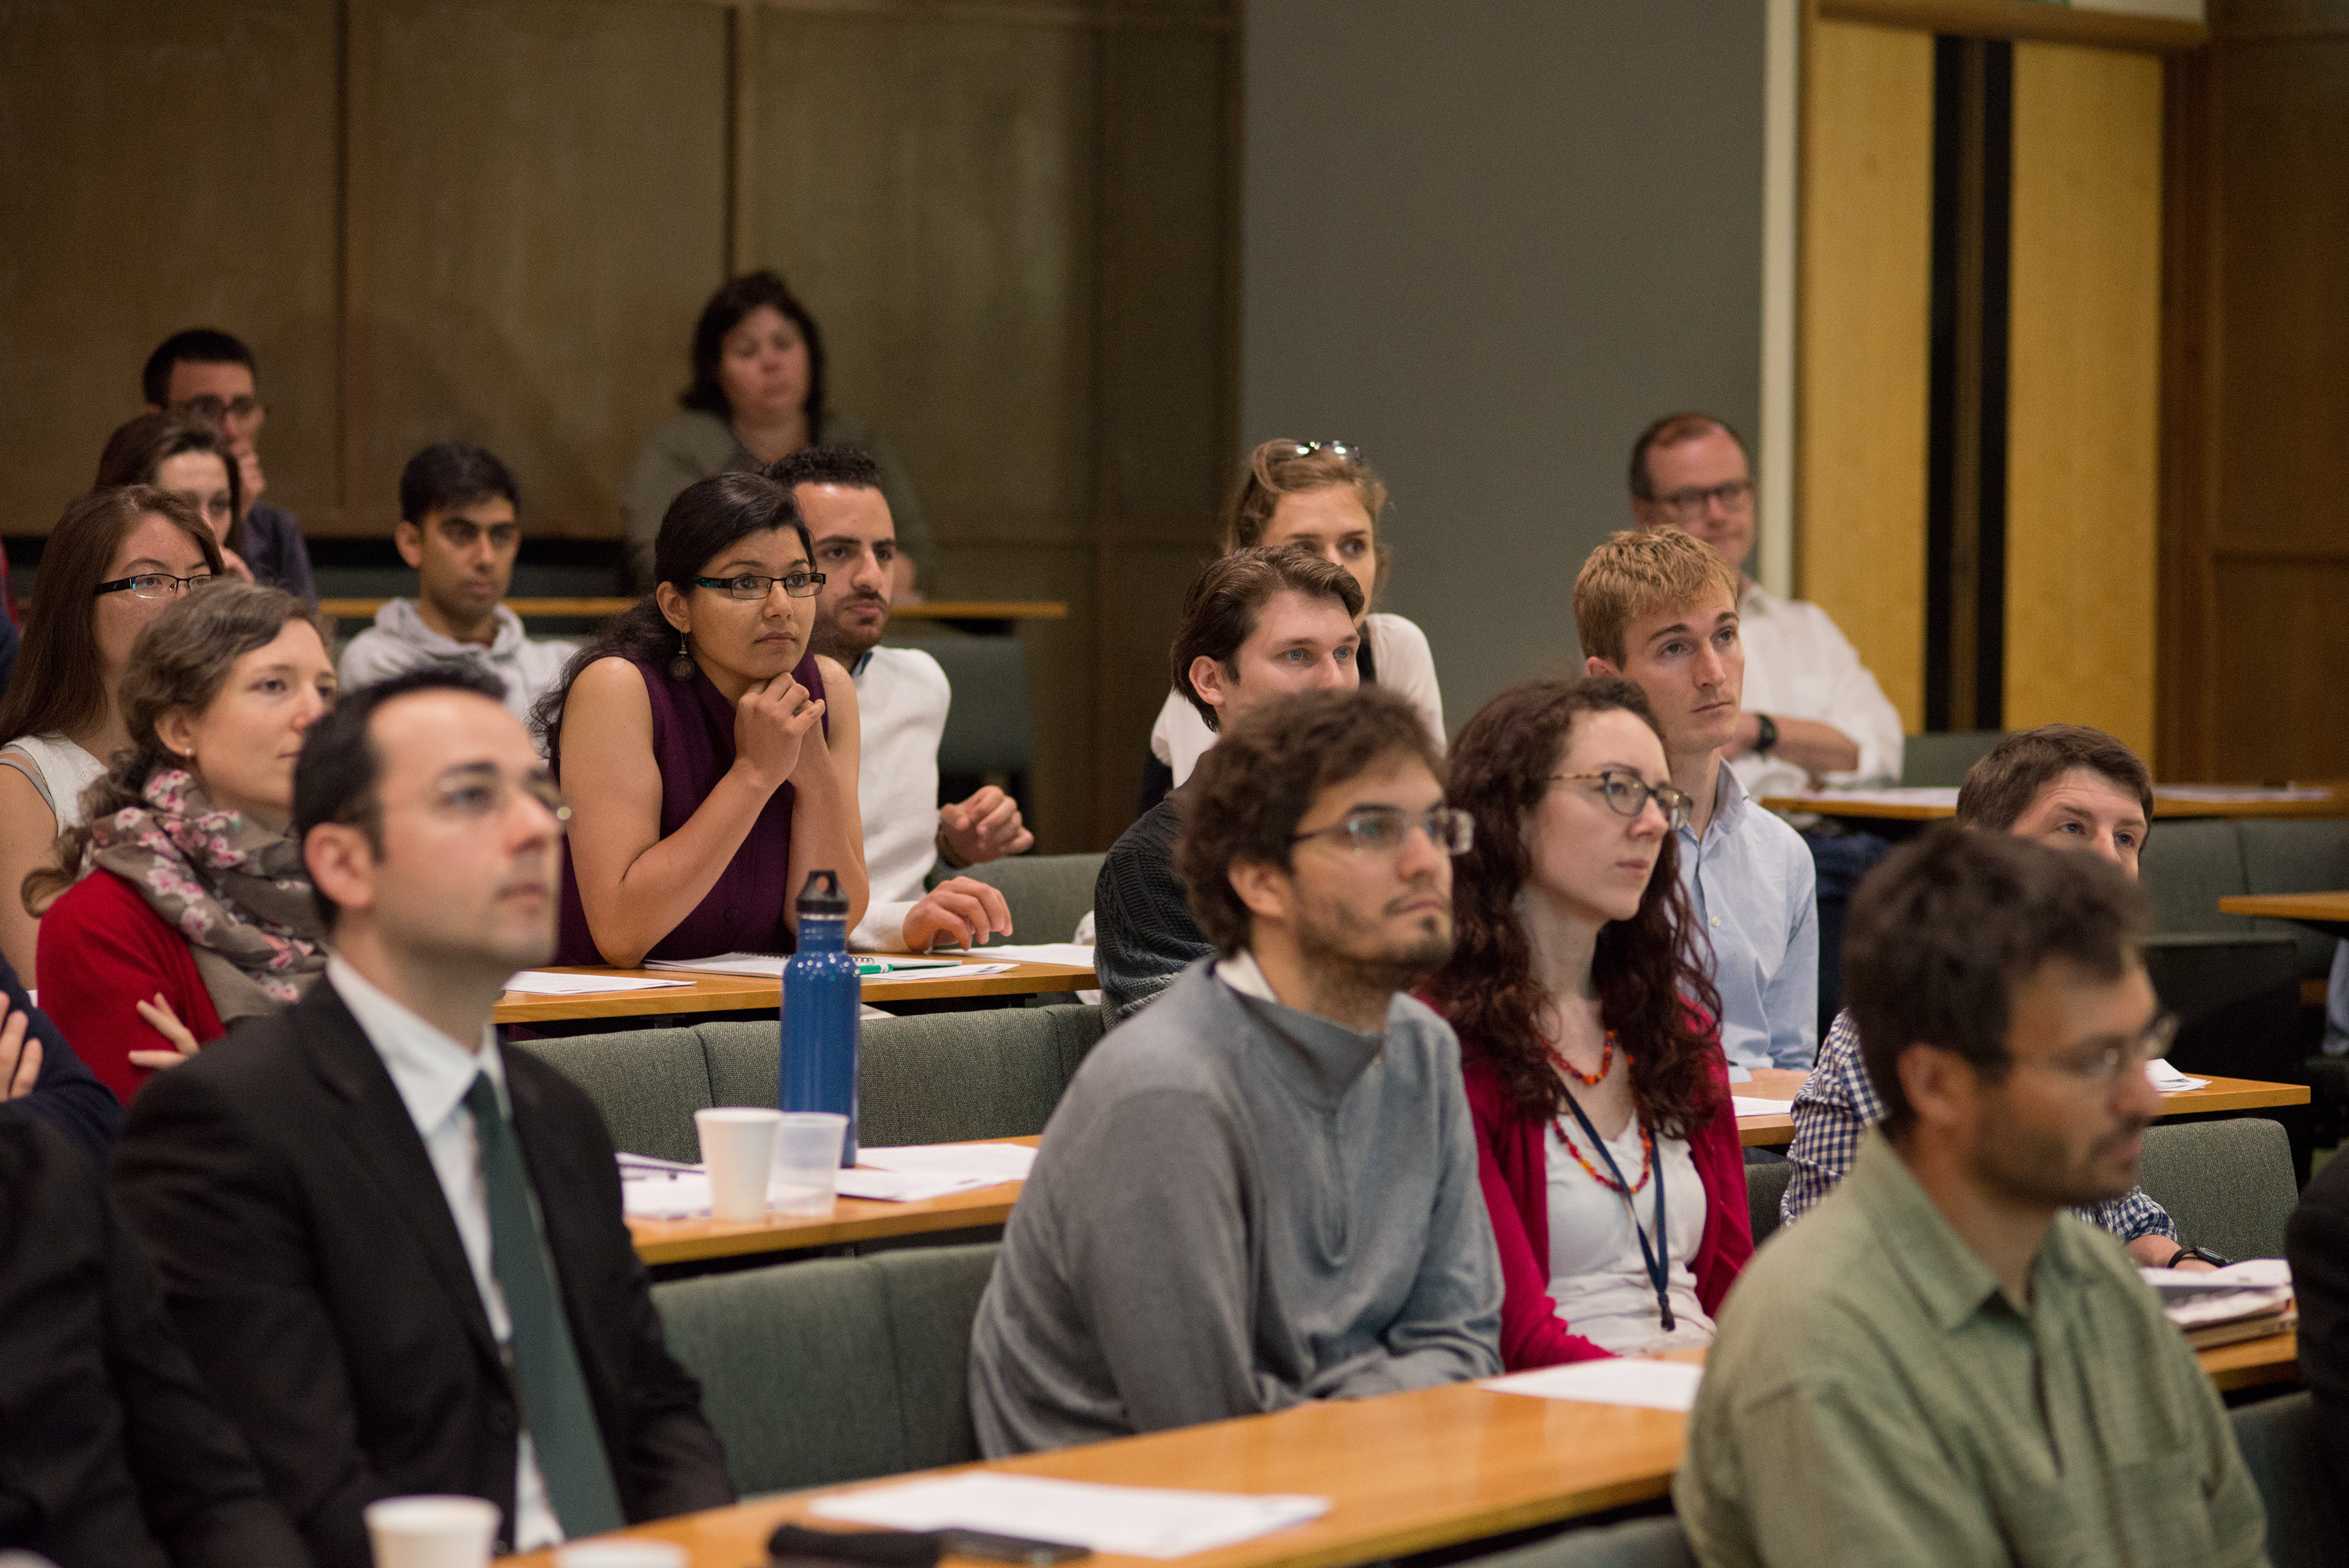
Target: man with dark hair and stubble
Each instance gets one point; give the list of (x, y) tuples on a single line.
[(395, 1254), (2063, 785), (1171, 1260), (1258, 625), (1940, 1364), (459, 526), (206, 371)]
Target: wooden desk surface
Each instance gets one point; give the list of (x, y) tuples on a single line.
[(2310, 909), (2223, 1095), (595, 609), (1932, 805), (1407, 1472), (745, 992), (851, 1219)]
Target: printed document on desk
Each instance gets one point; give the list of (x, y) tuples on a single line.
[(1129, 1521), (1623, 1380), (543, 982), (770, 966)]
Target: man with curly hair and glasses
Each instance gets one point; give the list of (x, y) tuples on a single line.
[(1263, 1190)]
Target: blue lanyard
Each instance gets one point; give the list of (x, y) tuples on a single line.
[(1658, 1260)]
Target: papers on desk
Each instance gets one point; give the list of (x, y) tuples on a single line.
[(1747, 1105), (541, 982), (2235, 794), (1080, 954), (667, 1189), (770, 966), (2169, 1080), (1623, 1380), (2218, 1306), (1129, 1521), (983, 1163)]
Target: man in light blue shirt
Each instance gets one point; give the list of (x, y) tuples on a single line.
[(1660, 609)]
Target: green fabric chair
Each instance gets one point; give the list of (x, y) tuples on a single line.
[(1636, 1543), (2188, 864), (1941, 761), (837, 1370), (2289, 856), (2227, 1184), (940, 1077), (2278, 1438), (1765, 1186), (647, 1083), (1048, 894)]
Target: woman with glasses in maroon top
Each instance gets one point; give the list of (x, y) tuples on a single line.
[(1606, 1139), (708, 754)]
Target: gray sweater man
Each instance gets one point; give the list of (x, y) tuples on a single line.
[(1237, 1207)]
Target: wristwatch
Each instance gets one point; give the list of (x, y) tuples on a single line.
[(2203, 1253), (1767, 741)]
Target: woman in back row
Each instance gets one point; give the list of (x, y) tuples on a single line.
[(1605, 1135)]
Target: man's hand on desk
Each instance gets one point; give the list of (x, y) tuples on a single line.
[(1813, 747), (961, 912)]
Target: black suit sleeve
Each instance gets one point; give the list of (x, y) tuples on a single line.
[(228, 1235), (2317, 1243), (67, 1095)]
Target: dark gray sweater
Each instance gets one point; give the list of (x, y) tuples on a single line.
[(1239, 1207)]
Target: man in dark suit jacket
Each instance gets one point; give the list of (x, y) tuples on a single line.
[(395, 1283), (112, 1451), (2317, 1243)]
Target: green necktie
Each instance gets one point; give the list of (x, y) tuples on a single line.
[(554, 1403)]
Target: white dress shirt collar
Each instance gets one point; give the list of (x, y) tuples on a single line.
[(432, 1071)]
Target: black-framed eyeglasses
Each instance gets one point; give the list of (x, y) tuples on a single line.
[(750, 586), (1384, 830), (2102, 1063), (1628, 795), (1736, 495), (154, 585), (1291, 451), (218, 409)]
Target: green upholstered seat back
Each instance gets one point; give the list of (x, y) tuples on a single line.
[(1048, 894), (647, 1083), (2227, 1184), (2189, 864)]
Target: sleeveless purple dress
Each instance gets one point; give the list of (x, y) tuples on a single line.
[(693, 741)]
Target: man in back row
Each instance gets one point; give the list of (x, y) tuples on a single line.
[(1259, 624), (207, 371), (461, 528), (1262, 1189), (1939, 1365)]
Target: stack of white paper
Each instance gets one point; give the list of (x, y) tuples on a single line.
[(770, 966), (1622, 1380), (1078, 954), (2169, 1080), (1128, 1520), (663, 1194), (543, 983), (1748, 1105), (992, 1162)]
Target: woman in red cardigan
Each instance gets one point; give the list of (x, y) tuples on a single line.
[(1605, 1136), (181, 905)]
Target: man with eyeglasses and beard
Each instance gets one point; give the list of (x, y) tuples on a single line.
[(1262, 1188), (1939, 1365)]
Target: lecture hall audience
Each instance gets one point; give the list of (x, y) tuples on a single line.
[(902, 697), (758, 395), (395, 1250), (708, 751), (1322, 496), (211, 374), (1259, 624), (1939, 1365), (460, 527), (116, 560), (181, 906), (1171, 1258), (1605, 1137), (1659, 609)]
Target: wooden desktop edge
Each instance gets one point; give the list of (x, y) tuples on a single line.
[(594, 607), (1769, 1131), (746, 992)]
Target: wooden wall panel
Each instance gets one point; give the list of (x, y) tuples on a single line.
[(1865, 298), (2084, 389), (163, 167), (539, 200), (2277, 666)]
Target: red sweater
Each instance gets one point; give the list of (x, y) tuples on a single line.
[(103, 950), (1513, 1167)]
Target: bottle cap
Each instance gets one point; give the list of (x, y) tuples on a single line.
[(827, 902)]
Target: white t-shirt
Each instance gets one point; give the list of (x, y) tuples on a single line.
[(902, 697), (1798, 665), (1399, 654), (1596, 1275), (60, 770)]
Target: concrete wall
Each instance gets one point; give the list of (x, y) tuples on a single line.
[(1490, 240)]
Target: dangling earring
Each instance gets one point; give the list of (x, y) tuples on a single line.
[(681, 667)]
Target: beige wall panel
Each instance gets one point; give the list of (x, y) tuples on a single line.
[(162, 166), (1865, 296), (539, 195), (2278, 619), (2083, 385), (926, 185)]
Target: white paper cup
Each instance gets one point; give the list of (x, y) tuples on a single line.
[(622, 1553), (738, 1145), (807, 1162), (431, 1531)]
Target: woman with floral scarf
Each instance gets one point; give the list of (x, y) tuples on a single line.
[(181, 905)]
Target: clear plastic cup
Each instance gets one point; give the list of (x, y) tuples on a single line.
[(737, 1147), (807, 1162), (431, 1531)]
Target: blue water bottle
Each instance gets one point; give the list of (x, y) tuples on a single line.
[(821, 1004)]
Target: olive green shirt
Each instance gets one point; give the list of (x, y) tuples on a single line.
[(1874, 1397)]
